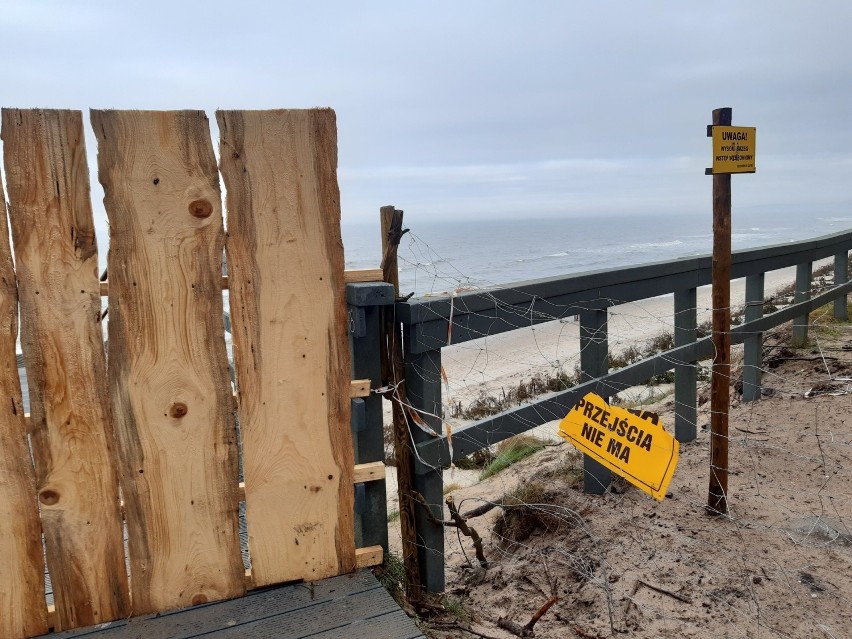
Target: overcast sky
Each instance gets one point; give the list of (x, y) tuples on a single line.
[(475, 108)]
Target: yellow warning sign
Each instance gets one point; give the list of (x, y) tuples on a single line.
[(633, 444), (734, 149)]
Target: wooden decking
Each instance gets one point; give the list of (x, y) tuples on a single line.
[(349, 606)]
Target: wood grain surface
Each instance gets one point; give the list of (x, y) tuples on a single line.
[(22, 609), (62, 341), (285, 267), (168, 366)]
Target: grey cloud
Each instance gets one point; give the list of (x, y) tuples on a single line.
[(483, 106)]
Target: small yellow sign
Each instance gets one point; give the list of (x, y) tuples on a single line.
[(734, 149), (635, 445)]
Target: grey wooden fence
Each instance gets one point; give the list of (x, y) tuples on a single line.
[(589, 295)]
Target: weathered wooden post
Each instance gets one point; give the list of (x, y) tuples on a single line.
[(416, 378), (423, 387), (686, 375), (804, 273), (753, 345), (733, 152), (393, 377), (720, 386), (841, 276), (594, 359)]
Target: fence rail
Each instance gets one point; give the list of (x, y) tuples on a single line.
[(433, 323)]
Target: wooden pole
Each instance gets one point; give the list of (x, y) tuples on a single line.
[(393, 375), (391, 220), (720, 387)]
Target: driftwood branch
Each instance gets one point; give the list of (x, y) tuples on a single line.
[(481, 510), (552, 581), (658, 589), (663, 591), (548, 604), (527, 629), (422, 501), (630, 598), (751, 432), (461, 523), (514, 627), (457, 521)]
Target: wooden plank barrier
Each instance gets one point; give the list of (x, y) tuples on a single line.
[(22, 611), (168, 365), (71, 428), (291, 358), (143, 438)]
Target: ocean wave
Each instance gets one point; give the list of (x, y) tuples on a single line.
[(649, 245), (571, 253), (408, 265), (747, 235)]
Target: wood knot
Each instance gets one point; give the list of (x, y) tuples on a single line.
[(48, 497), (199, 599), (200, 208), (178, 410)]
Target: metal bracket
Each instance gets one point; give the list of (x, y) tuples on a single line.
[(357, 321)]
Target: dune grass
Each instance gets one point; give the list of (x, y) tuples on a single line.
[(511, 451)]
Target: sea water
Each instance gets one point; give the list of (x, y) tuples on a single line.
[(446, 255), (440, 256)]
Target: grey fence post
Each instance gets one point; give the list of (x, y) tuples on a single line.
[(753, 345), (686, 375), (423, 387), (803, 293), (594, 363), (364, 301), (841, 270)]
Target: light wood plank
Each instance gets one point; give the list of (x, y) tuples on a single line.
[(372, 471), (285, 267), (363, 275), (370, 556), (359, 388), (168, 366), (22, 610), (71, 426)]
